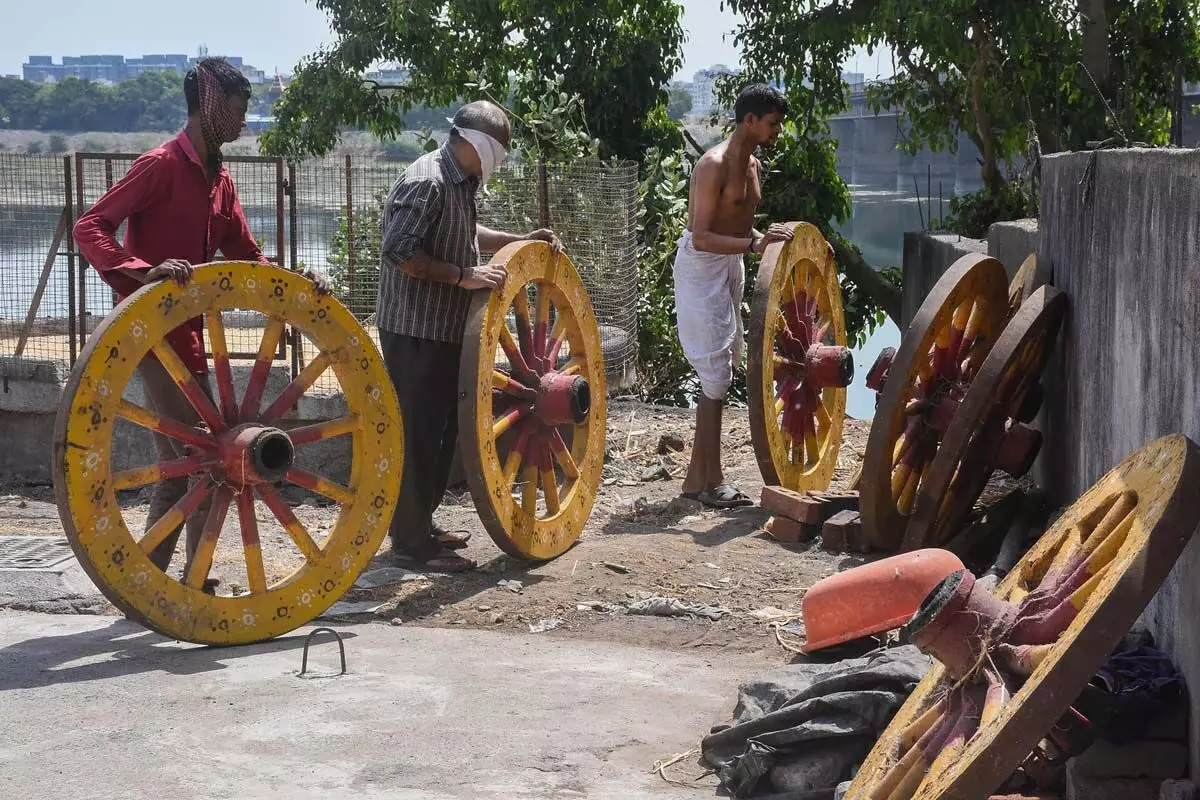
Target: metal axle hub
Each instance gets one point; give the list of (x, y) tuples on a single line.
[(251, 454)]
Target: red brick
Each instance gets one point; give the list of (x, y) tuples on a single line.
[(841, 532), (784, 503), (788, 530)]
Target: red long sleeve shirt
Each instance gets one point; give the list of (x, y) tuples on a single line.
[(172, 211)]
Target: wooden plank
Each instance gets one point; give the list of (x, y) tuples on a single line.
[(43, 279)]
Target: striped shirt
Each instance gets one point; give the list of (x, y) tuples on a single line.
[(431, 207)]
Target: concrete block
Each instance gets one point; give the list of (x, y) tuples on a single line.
[(1178, 790), (1084, 787), (1011, 243), (841, 532), (1134, 760), (926, 257)]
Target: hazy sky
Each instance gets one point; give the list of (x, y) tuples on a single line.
[(270, 34)]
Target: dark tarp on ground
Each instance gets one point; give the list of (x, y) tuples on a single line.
[(804, 727)]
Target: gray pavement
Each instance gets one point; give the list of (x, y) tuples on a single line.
[(97, 707)]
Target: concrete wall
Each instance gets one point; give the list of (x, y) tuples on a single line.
[(926, 257), (1127, 253)]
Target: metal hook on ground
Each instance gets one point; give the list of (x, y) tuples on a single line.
[(308, 640)]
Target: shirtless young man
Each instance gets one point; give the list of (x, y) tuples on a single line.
[(726, 187)]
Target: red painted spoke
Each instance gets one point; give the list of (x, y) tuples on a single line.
[(506, 384), (251, 546), (176, 515), (513, 354), (322, 486), (262, 368), (557, 337), (524, 332), (165, 425), (308, 434), (163, 470), (287, 519), (220, 351), (187, 384), (506, 422), (541, 323), (296, 389), (201, 562), (549, 479), (561, 454)]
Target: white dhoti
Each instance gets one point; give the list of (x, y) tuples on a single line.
[(708, 305)]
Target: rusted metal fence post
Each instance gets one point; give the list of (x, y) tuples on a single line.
[(352, 290), (82, 274), (543, 193), (68, 196)]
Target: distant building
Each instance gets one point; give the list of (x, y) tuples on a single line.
[(392, 76), (114, 69), (703, 88)]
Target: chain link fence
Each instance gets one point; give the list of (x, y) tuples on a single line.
[(322, 214)]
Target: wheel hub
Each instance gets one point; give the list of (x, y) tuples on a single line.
[(563, 399), (251, 454)]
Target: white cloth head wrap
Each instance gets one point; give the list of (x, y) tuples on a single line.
[(491, 152)]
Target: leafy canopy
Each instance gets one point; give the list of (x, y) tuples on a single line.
[(616, 56)]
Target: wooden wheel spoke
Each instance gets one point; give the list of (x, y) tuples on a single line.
[(187, 384), (558, 336), (224, 373), (511, 418), (322, 486), (262, 367), (176, 515), (529, 487), (563, 456), (516, 456), (287, 519), (574, 366), (513, 354), (506, 384), (307, 434), (251, 546), (165, 425), (541, 323), (201, 563), (296, 389), (524, 332), (549, 481), (163, 470)]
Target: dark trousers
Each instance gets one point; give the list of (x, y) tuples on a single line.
[(425, 374), (164, 396)]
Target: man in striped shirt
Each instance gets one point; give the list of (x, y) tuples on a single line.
[(430, 267)]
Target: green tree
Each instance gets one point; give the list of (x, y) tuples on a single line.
[(679, 102), (998, 72), (616, 56)]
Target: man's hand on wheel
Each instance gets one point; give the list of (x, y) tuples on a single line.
[(319, 282), (778, 232), (487, 276), (175, 269), (546, 235)]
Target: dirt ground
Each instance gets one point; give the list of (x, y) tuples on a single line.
[(641, 541)]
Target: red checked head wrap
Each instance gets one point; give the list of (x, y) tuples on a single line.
[(219, 122)]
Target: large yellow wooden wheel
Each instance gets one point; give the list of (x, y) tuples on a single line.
[(238, 453), (799, 365), (1011, 664), (532, 404)]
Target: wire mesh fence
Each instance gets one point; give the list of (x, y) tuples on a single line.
[(322, 214)]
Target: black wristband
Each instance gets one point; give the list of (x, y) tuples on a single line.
[(750, 247), (460, 275)]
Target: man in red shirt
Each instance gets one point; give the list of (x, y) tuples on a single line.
[(181, 207)]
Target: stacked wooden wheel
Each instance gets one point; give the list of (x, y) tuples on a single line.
[(955, 402)]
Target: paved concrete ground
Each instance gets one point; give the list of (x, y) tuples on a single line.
[(98, 707)]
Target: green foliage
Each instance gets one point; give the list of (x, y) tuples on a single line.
[(616, 56), (663, 371), (679, 103), (58, 143), (357, 288), (151, 101), (993, 71), (972, 214), (548, 122)]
